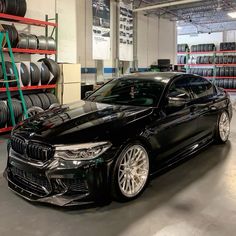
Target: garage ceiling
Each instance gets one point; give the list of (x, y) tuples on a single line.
[(194, 17)]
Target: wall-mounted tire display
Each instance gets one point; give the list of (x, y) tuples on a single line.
[(13, 7), (182, 48)]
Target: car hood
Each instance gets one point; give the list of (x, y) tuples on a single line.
[(81, 121)]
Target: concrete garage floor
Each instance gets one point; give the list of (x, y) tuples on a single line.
[(196, 198)]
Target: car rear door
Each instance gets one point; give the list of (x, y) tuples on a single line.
[(205, 95)]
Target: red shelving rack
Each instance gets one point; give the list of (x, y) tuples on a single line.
[(5, 130), (26, 21), (31, 51), (33, 22), (50, 86)]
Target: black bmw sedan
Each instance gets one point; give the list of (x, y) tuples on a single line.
[(109, 145)]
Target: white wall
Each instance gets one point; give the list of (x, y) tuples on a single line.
[(215, 38)]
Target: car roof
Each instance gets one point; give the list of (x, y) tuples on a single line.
[(160, 76)]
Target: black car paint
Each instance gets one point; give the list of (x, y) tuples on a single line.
[(167, 137)]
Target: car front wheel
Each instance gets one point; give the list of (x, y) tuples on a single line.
[(223, 128), (131, 173)]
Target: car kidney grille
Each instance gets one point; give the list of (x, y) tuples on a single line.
[(18, 145), (32, 150)]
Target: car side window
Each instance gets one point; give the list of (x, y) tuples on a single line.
[(178, 96), (180, 89), (201, 87)]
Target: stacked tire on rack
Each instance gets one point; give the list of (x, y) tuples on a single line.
[(13, 7), (181, 60), (230, 46), (203, 48), (34, 102), (34, 75), (226, 83), (206, 72), (30, 41), (182, 48)]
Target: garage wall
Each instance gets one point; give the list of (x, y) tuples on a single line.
[(75, 36), (215, 38)]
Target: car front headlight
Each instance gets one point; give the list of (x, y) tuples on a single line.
[(85, 151)]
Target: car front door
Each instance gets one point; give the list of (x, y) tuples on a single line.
[(176, 129)]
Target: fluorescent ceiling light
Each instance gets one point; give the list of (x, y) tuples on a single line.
[(232, 14), (179, 28)]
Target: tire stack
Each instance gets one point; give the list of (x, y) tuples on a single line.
[(182, 48), (206, 72), (230, 46), (181, 60), (34, 74), (203, 48), (13, 7), (29, 41), (226, 59), (226, 83), (41, 100), (205, 60)]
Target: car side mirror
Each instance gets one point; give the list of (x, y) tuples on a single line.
[(177, 101), (88, 93)]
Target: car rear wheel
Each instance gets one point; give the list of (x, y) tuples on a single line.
[(131, 173), (223, 128)]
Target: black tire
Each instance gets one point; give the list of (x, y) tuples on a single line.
[(3, 114), (218, 137), (42, 42), (231, 71), (34, 74), (222, 71), (10, 71), (28, 102), (226, 83), (10, 7), (230, 84), (25, 74), (35, 100), (53, 68), (23, 41), (116, 191), (227, 71), (51, 44), (234, 83), (45, 74), (44, 100), (21, 8), (32, 42), (52, 98)]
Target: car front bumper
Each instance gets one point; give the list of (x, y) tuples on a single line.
[(59, 182)]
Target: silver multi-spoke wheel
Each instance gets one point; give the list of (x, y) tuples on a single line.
[(224, 126), (133, 171)]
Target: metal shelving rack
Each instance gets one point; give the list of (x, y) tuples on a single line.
[(33, 22), (214, 65)]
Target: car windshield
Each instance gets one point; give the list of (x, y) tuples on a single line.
[(129, 91)]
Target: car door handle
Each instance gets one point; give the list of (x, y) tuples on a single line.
[(213, 108)]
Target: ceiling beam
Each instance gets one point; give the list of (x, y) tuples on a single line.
[(163, 5)]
